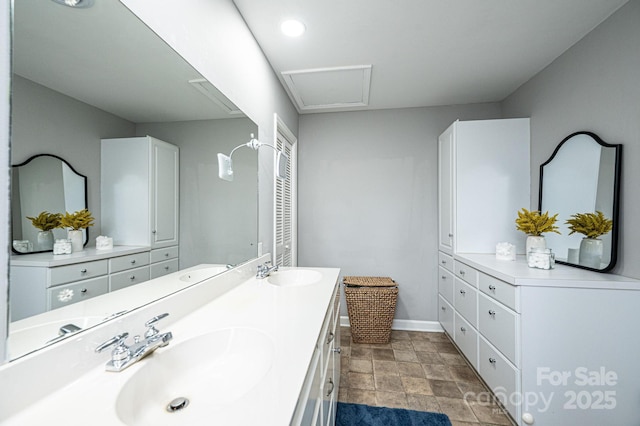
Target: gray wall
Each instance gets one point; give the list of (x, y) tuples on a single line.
[(47, 122), (218, 219), (594, 86), (367, 196)]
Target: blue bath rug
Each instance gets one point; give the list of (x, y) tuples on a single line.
[(363, 415)]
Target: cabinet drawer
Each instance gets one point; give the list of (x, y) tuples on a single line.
[(163, 268), (78, 271), (158, 255), (123, 263), (445, 261), (445, 284), (466, 301), (499, 325), (466, 337), (499, 374), (445, 315), (503, 292), (128, 278), (466, 273), (71, 293)]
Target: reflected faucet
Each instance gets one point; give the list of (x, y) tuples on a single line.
[(265, 270), (124, 356)]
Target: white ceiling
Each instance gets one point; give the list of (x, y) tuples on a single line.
[(106, 57), (422, 52)]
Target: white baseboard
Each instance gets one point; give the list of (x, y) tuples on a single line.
[(405, 325)]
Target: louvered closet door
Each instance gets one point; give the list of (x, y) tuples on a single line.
[(283, 194), (284, 211)]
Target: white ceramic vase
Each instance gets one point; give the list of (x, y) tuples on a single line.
[(590, 255), (75, 235), (45, 240), (535, 242)]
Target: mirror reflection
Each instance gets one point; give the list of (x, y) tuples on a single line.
[(120, 80), (43, 184), (580, 182)]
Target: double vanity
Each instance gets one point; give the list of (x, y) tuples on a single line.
[(237, 341)]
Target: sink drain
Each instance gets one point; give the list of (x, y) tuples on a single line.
[(177, 404)]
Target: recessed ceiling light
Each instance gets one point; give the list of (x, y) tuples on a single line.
[(76, 3), (292, 28)]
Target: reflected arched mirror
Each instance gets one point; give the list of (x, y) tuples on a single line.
[(43, 183), (582, 176)]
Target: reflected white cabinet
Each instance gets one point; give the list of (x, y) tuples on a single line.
[(483, 180), (139, 191)]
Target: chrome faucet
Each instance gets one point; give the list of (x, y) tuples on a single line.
[(124, 356), (265, 270)]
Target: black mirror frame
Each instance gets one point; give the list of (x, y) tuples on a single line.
[(86, 196), (616, 196)]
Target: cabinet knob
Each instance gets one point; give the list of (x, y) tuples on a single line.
[(492, 287), (444, 277), (443, 308), (166, 268), (83, 270), (492, 312), (337, 350), (462, 272), (153, 232), (333, 386), (444, 262), (330, 337), (463, 292), (492, 360), (463, 329), (166, 255), (133, 262), (450, 235), (84, 290), (132, 277)]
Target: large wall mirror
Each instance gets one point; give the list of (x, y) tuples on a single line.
[(582, 176), (81, 75)]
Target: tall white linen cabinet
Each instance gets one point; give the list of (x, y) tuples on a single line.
[(140, 197)]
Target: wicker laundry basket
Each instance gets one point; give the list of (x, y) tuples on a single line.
[(371, 303)]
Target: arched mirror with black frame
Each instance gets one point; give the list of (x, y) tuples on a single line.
[(43, 184), (581, 182)]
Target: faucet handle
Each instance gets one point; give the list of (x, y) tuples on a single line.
[(115, 340), (152, 331)]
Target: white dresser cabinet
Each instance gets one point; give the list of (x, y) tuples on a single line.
[(41, 282), (483, 180), (559, 345), (319, 397), (139, 191)]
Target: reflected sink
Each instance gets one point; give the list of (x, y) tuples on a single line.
[(294, 277), (202, 274), (214, 372)]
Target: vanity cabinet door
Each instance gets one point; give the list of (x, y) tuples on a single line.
[(445, 191), (165, 175), (445, 315)]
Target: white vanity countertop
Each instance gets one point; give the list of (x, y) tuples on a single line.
[(519, 273), (291, 316), (48, 259)]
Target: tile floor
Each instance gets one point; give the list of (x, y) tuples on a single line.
[(419, 371)]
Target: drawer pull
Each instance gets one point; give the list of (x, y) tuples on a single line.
[(462, 272), (450, 235), (444, 262), (492, 287), (166, 255), (463, 329), (492, 361), (83, 270), (492, 312), (444, 308), (463, 292), (444, 277), (166, 268), (333, 386), (330, 337), (84, 290), (133, 262), (132, 277)]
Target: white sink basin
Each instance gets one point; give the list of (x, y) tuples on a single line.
[(201, 274), (215, 372), (294, 277)]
